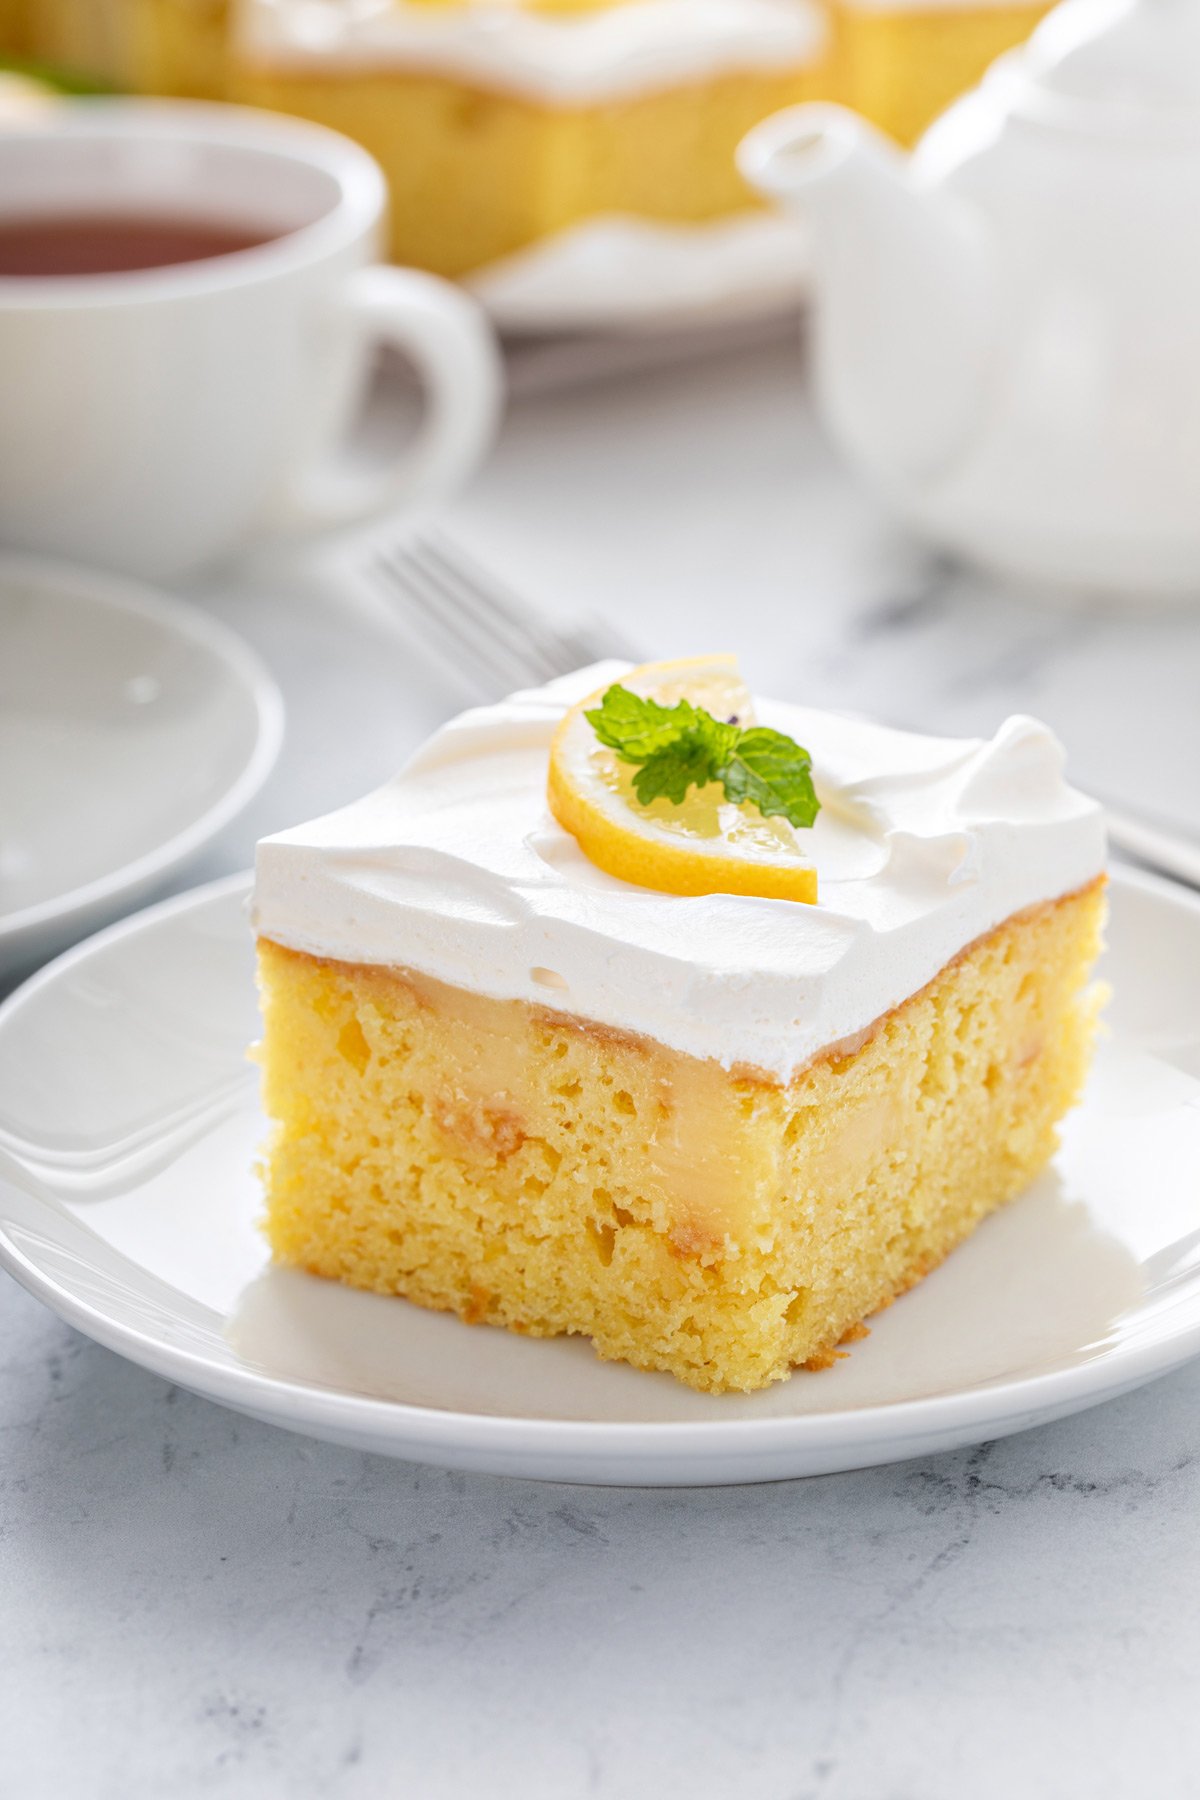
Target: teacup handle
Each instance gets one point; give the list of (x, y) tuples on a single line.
[(448, 338)]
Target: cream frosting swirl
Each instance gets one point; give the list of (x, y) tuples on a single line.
[(634, 47), (455, 869)]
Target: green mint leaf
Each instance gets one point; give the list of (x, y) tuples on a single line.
[(670, 772), (636, 728), (679, 747), (718, 738), (773, 773)]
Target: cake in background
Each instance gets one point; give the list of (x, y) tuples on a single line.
[(500, 123), (900, 64), (174, 47)]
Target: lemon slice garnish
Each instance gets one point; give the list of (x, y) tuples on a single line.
[(707, 844)]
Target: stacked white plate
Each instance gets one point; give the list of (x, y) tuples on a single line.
[(132, 730)]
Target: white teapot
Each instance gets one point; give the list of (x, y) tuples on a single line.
[(1007, 332)]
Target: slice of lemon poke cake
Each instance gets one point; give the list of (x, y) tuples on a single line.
[(624, 1012)]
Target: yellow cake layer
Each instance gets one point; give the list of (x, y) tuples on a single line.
[(476, 174), (531, 1170), (901, 65)]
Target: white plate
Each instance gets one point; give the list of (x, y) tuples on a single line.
[(626, 274), (128, 1126), (132, 728)]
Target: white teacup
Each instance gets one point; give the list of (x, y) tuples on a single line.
[(157, 420)]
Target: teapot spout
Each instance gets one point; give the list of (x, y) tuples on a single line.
[(901, 275)]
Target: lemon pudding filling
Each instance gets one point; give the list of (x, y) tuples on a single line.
[(712, 1131)]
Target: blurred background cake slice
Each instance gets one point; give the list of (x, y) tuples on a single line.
[(501, 123)]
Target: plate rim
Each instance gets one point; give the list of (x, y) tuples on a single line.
[(743, 301), (123, 594), (986, 1410)]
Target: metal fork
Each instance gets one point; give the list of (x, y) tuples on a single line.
[(491, 642), (486, 638)]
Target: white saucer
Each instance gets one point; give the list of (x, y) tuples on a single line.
[(132, 728), (128, 1127), (626, 274)]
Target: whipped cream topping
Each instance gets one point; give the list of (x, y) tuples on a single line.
[(633, 47), (456, 869)]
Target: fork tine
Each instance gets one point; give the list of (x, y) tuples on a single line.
[(469, 635), (419, 623), (483, 632), (469, 615), (568, 649), (485, 596), (472, 667)]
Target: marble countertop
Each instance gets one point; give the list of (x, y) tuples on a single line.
[(196, 1605)]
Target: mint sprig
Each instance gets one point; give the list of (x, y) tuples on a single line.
[(678, 747)]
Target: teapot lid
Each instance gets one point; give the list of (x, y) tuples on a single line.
[(1133, 61)]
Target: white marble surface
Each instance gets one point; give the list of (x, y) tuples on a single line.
[(193, 1605)]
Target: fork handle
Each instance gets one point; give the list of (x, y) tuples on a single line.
[(1164, 850)]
